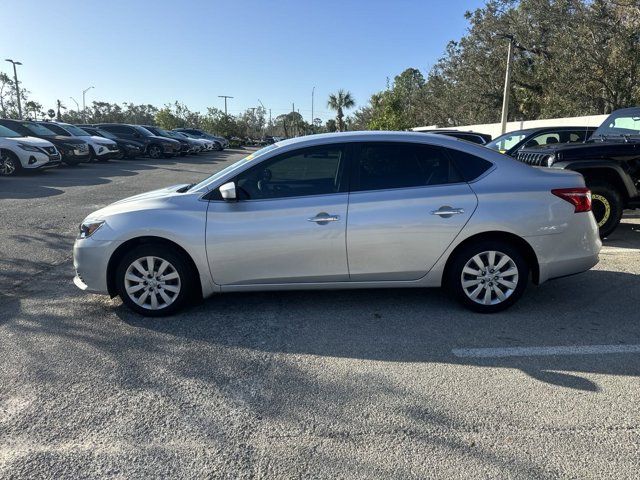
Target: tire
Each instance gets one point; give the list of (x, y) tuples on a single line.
[(155, 151), (607, 206), (9, 164), (474, 295), (141, 293), (218, 147)]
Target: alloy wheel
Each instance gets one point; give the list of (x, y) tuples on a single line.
[(152, 282), (7, 165), (489, 278), (155, 152)]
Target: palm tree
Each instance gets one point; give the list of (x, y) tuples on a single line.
[(339, 101)]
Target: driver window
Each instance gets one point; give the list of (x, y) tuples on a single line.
[(310, 171), (544, 139)]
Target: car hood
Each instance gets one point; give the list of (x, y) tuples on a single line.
[(103, 140), (35, 141), (65, 139), (138, 202), (583, 150), (165, 139)]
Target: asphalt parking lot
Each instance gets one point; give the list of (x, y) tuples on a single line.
[(351, 384)]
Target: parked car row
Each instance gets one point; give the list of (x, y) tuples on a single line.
[(31, 145)]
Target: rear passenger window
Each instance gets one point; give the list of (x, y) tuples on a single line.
[(469, 166), (382, 166)]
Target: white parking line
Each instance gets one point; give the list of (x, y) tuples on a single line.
[(544, 351)]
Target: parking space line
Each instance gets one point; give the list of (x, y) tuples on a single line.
[(501, 352)]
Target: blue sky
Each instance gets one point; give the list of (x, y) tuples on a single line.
[(192, 51)]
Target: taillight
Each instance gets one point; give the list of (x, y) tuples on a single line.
[(580, 198)]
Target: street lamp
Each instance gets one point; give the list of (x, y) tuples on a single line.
[(77, 104), (507, 84), (313, 90), (84, 119), (15, 77)]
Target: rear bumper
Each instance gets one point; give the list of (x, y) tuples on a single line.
[(574, 250)]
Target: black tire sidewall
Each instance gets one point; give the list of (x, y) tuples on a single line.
[(177, 260), (614, 199), (454, 284)]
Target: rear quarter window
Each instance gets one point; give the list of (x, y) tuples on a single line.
[(470, 166)]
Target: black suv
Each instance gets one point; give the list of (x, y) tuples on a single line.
[(609, 162), (72, 149), (511, 143), (154, 146), (185, 146)]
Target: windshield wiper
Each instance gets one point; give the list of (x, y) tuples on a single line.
[(185, 188)]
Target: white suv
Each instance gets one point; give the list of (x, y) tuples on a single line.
[(101, 148), (18, 152)]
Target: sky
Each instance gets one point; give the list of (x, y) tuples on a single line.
[(192, 51)]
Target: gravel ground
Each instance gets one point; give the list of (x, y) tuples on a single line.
[(351, 384)]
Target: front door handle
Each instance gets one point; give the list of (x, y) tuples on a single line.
[(446, 211), (323, 218)]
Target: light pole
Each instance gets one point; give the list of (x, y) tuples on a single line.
[(313, 90), (225, 102), (77, 105), (84, 112), (507, 86), (15, 77)]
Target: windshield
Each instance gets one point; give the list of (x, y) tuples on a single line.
[(206, 183), (106, 134), (75, 131), (507, 141), (143, 131), (38, 130), (8, 133), (622, 124)]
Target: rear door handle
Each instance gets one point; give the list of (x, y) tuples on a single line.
[(446, 212), (323, 218)]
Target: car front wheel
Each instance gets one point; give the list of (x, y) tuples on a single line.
[(488, 276), (9, 163), (155, 151), (154, 281)]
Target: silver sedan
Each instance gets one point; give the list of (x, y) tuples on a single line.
[(347, 210)]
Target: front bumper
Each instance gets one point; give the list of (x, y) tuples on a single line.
[(34, 160), (90, 261), (107, 153)]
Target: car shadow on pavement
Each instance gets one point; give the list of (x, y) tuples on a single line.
[(425, 326)]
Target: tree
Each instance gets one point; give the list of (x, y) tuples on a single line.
[(339, 102)]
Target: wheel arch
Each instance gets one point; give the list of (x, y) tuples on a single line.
[(134, 242), (610, 173), (520, 243)]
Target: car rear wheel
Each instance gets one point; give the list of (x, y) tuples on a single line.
[(607, 207), (154, 281), (155, 151), (9, 163), (488, 276)]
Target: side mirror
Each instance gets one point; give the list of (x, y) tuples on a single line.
[(228, 191), (136, 135)]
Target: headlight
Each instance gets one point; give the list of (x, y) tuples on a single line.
[(29, 148), (550, 160), (88, 227)]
